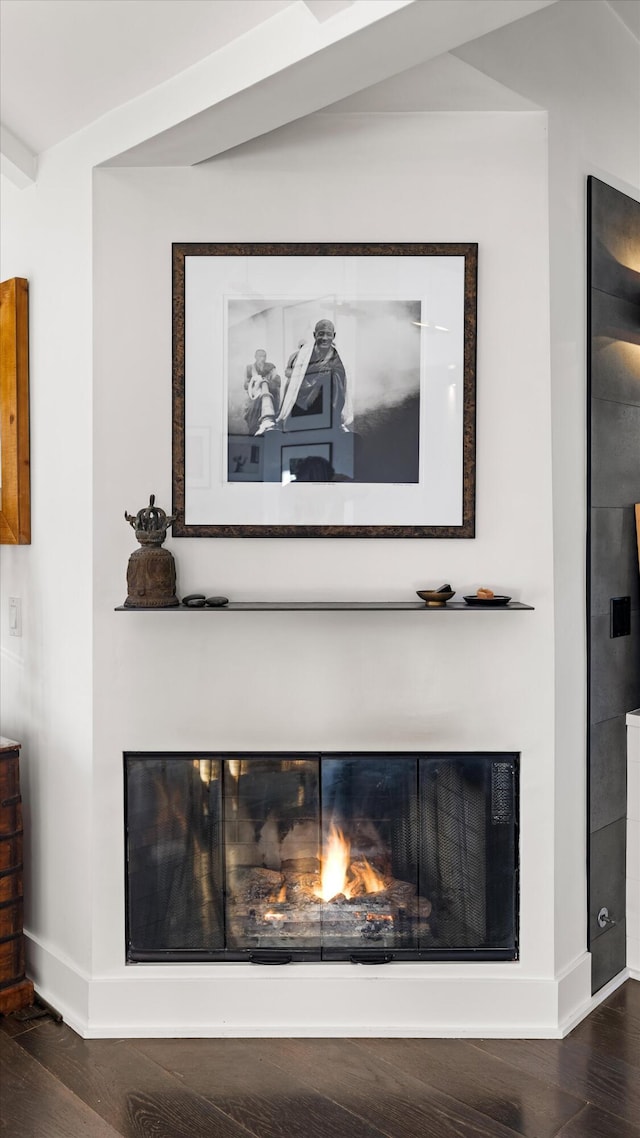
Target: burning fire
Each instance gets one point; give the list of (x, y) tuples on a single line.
[(341, 876)]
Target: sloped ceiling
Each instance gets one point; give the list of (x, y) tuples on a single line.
[(218, 72), (351, 61), (441, 84), (629, 13), (64, 63)]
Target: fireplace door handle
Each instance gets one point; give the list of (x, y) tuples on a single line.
[(267, 957), (382, 958)]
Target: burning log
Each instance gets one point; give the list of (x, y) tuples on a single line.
[(253, 883), (302, 888), (400, 893), (269, 907), (301, 865)]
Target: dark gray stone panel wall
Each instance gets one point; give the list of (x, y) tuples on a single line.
[(606, 954), (607, 773), (615, 453), (613, 375), (614, 558), (615, 669), (608, 875), (614, 487)]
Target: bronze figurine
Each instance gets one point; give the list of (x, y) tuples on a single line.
[(151, 573)]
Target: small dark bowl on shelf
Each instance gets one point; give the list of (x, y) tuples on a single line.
[(434, 599), (494, 602)]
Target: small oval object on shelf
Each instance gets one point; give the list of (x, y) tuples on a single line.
[(216, 602), (194, 601)]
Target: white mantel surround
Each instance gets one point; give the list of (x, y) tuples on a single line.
[(86, 683), (341, 680)]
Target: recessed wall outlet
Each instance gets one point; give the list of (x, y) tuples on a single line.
[(620, 610), (15, 616)]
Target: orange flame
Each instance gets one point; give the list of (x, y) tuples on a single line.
[(338, 876), (335, 865)]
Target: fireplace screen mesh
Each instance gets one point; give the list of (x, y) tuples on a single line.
[(274, 858)]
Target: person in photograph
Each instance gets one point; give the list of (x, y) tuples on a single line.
[(292, 359), (305, 373), (262, 385)]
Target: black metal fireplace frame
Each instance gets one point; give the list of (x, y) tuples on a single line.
[(325, 954)]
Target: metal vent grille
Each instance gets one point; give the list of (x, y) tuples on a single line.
[(501, 793)]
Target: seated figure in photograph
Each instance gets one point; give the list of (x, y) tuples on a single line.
[(262, 385), (305, 373)]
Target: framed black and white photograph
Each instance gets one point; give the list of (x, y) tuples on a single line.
[(324, 390), (245, 458), (310, 462)]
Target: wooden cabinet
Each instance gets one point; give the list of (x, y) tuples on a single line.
[(15, 990)]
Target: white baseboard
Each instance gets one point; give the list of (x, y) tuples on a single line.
[(439, 1000), (60, 981), (586, 1007)]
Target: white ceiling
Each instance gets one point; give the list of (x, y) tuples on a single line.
[(629, 13), (325, 9), (297, 70), (441, 84), (65, 63)]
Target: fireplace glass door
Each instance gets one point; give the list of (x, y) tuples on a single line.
[(276, 858)]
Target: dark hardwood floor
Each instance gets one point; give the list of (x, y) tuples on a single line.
[(53, 1084)]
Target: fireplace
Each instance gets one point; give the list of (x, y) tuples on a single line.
[(275, 858)]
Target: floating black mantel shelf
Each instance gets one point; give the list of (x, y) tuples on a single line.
[(337, 606)]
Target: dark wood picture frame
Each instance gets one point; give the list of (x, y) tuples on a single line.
[(15, 500), (468, 251)]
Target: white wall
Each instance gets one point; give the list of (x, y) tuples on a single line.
[(45, 693), (405, 177), (583, 64), (330, 681)]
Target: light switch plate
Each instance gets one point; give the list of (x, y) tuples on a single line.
[(620, 610), (15, 616)]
